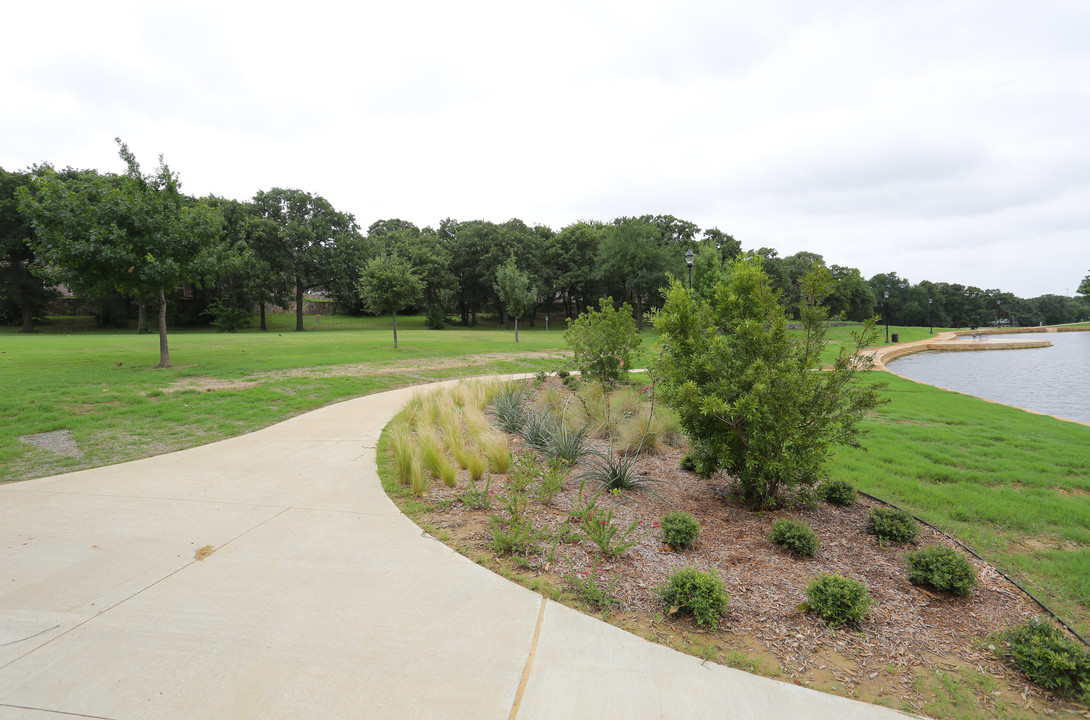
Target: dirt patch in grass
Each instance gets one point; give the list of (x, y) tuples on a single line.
[(58, 442), (914, 644), (208, 384)]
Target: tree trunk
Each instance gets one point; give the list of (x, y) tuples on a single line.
[(28, 309), (504, 317), (164, 351), (395, 329), (639, 312), (142, 318), (516, 329), (298, 304), (263, 325)]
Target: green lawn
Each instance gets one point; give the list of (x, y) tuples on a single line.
[(101, 386)]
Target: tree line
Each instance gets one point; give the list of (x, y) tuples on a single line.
[(132, 240)]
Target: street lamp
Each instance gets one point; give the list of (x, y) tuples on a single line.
[(998, 307), (885, 294), (689, 261), (931, 314)]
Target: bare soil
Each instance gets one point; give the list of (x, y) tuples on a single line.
[(914, 641)]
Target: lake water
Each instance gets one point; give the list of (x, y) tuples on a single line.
[(1053, 380)]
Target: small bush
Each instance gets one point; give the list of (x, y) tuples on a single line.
[(679, 530), (942, 568), (892, 524), (701, 594), (795, 536), (838, 599), (1048, 657), (437, 319), (603, 340), (517, 537), (228, 318), (538, 428), (837, 492)]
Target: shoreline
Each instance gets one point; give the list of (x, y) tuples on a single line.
[(948, 342)]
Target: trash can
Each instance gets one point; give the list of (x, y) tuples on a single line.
[(895, 338)]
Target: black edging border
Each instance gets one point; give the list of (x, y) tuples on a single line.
[(974, 553)]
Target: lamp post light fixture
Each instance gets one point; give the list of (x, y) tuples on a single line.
[(885, 295), (998, 307), (931, 314), (689, 262)]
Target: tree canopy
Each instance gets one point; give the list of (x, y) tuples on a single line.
[(135, 233), (387, 284)]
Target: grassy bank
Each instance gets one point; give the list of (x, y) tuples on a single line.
[(1013, 485)]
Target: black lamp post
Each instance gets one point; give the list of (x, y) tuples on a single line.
[(931, 314), (885, 295), (689, 261), (998, 307)]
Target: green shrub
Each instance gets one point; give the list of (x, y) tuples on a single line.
[(1048, 657), (838, 599), (679, 530), (603, 340), (228, 318), (837, 492), (892, 524), (538, 428), (568, 444), (701, 594), (795, 536), (942, 568)]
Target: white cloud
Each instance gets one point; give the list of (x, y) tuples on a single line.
[(943, 141)]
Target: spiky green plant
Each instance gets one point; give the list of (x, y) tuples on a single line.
[(615, 471), (509, 407)]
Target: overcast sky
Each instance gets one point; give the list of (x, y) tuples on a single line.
[(945, 141)]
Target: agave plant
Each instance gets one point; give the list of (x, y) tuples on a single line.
[(617, 472)]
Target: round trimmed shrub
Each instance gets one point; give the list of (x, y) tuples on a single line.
[(701, 594), (679, 530), (1048, 657), (837, 492), (892, 524), (796, 536), (838, 599), (943, 568)]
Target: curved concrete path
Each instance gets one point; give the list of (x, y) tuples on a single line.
[(318, 600)]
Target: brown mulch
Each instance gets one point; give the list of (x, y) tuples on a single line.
[(909, 628)]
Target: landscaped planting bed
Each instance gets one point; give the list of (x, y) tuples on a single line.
[(917, 649)]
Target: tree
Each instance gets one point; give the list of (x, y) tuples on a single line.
[(632, 262), (1084, 287), (603, 340), (139, 235), (22, 292), (307, 231), (748, 392), (515, 291), (388, 284)]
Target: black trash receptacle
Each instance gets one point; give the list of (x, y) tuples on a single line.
[(895, 338)]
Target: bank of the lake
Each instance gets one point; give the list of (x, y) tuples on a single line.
[(1053, 380)]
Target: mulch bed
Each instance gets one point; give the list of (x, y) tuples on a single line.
[(908, 628)]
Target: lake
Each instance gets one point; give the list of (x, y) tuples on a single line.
[(1053, 380)]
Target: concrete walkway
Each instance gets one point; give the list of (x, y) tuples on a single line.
[(318, 600)]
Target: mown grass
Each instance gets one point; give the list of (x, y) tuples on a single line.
[(100, 385), (1013, 485)]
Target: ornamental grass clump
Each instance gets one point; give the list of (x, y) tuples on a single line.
[(943, 568), (796, 536), (497, 451), (837, 492), (701, 594), (1049, 658), (617, 472), (567, 443), (838, 599), (892, 524), (509, 407), (679, 530)]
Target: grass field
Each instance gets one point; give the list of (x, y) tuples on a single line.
[(1014, 485), (101, 387)]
